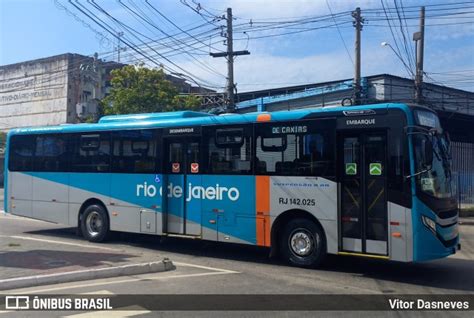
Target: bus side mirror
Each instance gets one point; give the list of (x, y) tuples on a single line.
[(428, 152)]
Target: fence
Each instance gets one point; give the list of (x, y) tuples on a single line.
[(463, 168)]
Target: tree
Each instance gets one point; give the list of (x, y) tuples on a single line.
[(138, 89)]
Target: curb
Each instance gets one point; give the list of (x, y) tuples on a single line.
[(125, 270), (466, 213)]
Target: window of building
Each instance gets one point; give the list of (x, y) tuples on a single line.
[(295, 149), (134, 151), (229, 150)]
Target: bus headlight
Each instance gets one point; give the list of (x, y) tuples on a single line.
[(429, 223)]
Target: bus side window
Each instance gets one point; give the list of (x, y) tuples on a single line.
[(21, 153), (307, 152), (91, 152), (51, 153), (317, 156), (278, 154), (134, 151), (229, 150)]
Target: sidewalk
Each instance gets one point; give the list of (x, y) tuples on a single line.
[(25, 255), (466, 220)]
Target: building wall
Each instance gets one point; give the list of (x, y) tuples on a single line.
[(33, 93), (51, 91)]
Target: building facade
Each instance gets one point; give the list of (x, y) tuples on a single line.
[(55, 90), (51, 91)]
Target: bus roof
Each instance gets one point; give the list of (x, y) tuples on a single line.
[(189, 118)]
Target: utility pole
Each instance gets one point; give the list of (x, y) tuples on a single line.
[(119, 39), (97, 69), (230, 62), (357, 23), (419, 38), (98, 93)]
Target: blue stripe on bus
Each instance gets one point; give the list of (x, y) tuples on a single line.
[(230, 199)]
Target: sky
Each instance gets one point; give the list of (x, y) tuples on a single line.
[(31, 29)]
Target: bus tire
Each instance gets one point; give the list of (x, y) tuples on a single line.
[(303, 243), (95, 223)]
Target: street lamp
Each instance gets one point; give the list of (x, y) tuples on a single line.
[(398, 55)]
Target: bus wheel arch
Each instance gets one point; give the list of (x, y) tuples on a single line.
[(94, 220), (301, 219)]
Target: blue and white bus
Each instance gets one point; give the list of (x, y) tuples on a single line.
[(369, 180)]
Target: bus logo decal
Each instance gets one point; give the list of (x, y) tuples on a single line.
[(217, 192)]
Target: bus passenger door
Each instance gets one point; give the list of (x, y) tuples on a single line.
[(182, 213), (363, 212)]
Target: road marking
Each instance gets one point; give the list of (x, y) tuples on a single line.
[(26, 291), (60, 242), (128, 311), (206, 267), (98, 292)]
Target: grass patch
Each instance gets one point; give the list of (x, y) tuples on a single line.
[(13, 245)]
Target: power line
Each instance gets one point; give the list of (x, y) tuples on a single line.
[(409, 71), (149, 21), (340, 34), (105, 26), (205, 67), (412, 47), (405, 42), (175, 25), (100, 36)]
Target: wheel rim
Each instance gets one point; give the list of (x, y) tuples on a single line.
[(94, 223), (301, 242)]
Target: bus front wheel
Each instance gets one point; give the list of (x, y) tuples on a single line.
[(95, 223), (303, 243)]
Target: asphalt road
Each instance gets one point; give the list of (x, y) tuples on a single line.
[(213, 268)]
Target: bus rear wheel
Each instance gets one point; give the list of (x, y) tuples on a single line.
[(303, 243), (95, 223)]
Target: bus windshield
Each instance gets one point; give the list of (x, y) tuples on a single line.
[(435, 180)]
